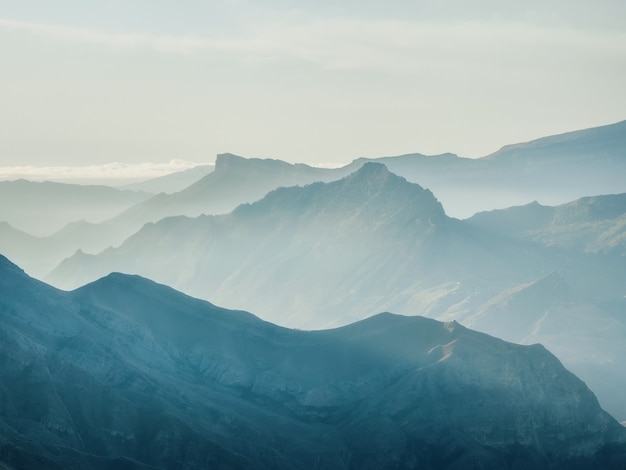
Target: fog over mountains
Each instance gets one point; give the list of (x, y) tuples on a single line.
[(366, 243), (547, 170), (191, 385), (552, 170), (42, 208), (173, 182), (126, 373), (236, 180), (329, 254)]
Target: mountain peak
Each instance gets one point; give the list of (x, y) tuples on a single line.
[(229, 161), (374, 180), (372, 191), (225, 158), (376, 174), (372, 168)]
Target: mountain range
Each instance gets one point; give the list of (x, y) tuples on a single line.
[(589, 225), (547, 170), (171, 183), (329, 254), (234, 181), (127, 373), (552, 170), (42, 208), (320, 255)]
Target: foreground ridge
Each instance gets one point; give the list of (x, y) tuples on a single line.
[(127, 373)]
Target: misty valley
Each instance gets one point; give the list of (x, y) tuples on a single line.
[(412, 311)]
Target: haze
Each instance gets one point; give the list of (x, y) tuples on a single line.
[(150, 84)]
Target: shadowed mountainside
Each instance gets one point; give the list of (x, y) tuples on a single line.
[(126, 373)]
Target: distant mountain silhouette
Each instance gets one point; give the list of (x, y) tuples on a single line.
[(126, 373), (235, 180), (171, 183), (590, 225), (330, 253), (552, 170), (41, 209), (596, 144)]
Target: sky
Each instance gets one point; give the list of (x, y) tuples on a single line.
[(155, 86)]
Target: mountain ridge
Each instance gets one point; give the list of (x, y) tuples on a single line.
[(41, 208), (615, 131), (328, 254), (590, 224), (190, 385), (369, 224), (552, 175)]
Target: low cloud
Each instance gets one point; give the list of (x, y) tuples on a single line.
[(110, 173)]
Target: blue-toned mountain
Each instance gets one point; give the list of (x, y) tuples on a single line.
[(126, 373), (322, 254)]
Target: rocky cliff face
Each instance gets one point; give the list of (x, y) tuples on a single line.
[(126, 373)]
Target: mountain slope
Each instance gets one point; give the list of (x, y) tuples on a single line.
[(235, 180), (173, 182), (586, 333), (552, 170), (590, 224), (131, 374), (593, 144), (43, 208)]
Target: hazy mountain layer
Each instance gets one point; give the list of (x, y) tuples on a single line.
[(235, 181), (329, 254), (552, 170), (590, 225), (173, 182), (323, 254), (126, 373), (43, 208)]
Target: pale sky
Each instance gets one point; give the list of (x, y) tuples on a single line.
[(140, 82)]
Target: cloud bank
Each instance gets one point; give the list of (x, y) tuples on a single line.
[(111, 173)]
